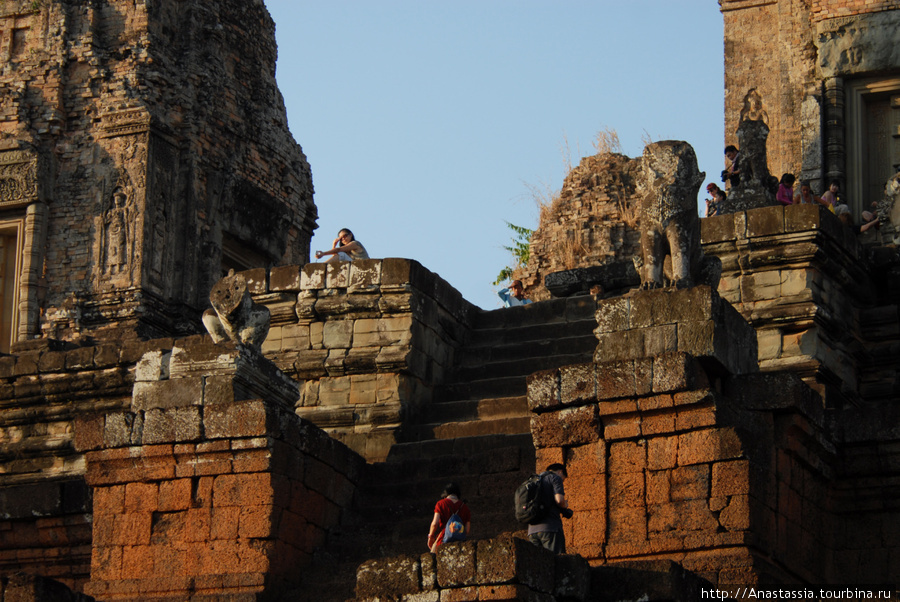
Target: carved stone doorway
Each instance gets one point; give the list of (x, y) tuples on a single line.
[(873, 144)]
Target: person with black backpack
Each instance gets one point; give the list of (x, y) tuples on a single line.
[(548, 532), (452, 518)]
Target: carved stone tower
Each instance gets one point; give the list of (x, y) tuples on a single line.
[(144, 150)]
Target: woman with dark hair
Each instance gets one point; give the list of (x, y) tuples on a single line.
[(785, 194), (345, 248), (447, 506)]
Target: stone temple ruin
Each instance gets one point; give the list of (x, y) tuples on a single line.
[(726, 431)]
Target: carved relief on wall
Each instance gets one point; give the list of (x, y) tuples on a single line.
[(160, 210), (18, 178), (117, 233), (753, 107), (128, 121)]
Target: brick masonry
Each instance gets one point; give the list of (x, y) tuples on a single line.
[(209, 484), (739, 478)]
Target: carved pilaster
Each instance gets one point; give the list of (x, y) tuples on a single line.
[(35, 235), (835, 144)]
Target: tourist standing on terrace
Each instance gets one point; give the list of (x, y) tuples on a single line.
[(549, 532), (513, 295)]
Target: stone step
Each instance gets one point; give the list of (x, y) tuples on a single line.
[(552, 311), (396, 502), (524, 366), (471, 428), (501, 386), (518, 335), (471, 409), (466, 448)]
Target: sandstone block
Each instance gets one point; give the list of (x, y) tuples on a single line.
[(285, 278), (171, 425), (164, 394), (119, 431), (89, 430), (337, 334), (662, 453), (52, 361), (613, 315), (799, 218), (383, 331), (718, 228), (334, 391), (256, 281), (571, 426), (337, 274), (235, 420), (313, 276), (577, 384), (364, 275), (674, 372), (305, 309), (543, 390), (456, 565), (80, 359), (765, 221), (396, 272), (572, 578), (709, 445)]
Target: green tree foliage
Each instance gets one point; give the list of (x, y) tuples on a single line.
[(520, 250)]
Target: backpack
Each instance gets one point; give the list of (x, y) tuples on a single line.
[(530, 507), (455, 530)]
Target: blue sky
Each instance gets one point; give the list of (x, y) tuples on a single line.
[(429, 124)]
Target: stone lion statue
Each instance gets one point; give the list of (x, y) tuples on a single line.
[(670, 226), (235, 315)]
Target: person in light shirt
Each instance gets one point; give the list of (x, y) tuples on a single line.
[(513, 295)]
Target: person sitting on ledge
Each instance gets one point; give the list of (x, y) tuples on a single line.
[(831, 196), (870, 220), (714, 205), (345, 248), (513, 295), (785, 194), (805, 196)]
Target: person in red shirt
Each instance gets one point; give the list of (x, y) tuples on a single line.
[(447, 506)]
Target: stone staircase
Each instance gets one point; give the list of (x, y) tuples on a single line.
[(486, 395), (476, 432)]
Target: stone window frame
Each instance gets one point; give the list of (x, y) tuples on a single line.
[(855, 92)]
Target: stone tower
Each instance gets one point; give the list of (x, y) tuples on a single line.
[(144, 151), (828, 74)]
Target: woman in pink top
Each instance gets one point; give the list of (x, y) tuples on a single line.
[(785, 194)]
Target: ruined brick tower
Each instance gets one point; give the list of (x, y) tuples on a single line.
[(144, 151)]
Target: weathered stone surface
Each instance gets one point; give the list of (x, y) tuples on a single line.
[(387, 578), (614, 277), (570, 426)]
